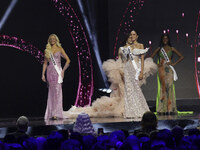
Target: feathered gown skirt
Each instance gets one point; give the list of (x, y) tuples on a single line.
[(126, 99)]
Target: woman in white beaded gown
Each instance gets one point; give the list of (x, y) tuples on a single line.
[(126, 75)]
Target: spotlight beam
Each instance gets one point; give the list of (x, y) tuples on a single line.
[(7, 13), (93, 39)]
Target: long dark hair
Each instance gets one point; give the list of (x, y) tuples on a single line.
[(126, 36), (149, 121), (161, 40)]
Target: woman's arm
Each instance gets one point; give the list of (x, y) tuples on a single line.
[(155, 52), (44, 69), (142, 64), (181, 57), (67, 61), (119, 54)]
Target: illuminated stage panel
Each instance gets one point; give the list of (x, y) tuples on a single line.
[(197, 54), (39, 127)]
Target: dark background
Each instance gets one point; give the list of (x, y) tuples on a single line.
[(22, 90)]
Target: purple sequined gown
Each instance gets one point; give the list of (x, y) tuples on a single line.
[(54, 102)]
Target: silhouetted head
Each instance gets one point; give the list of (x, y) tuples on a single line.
[(149, 121), (22, 123)]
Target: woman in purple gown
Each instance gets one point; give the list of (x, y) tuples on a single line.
[(55, 75)]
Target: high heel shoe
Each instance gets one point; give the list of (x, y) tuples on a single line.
[(54, 118)]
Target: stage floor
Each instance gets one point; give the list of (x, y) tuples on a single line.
[(39, 126)]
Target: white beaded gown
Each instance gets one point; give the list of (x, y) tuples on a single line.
[(126, 99), (135, 104)]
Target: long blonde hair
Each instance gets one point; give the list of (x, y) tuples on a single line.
[(48, 46)]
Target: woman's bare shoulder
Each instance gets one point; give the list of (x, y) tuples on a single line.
[(140, 45)]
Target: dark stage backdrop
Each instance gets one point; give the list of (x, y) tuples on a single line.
[(23, 92)]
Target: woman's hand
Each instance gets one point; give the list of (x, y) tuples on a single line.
[(141, 76), (170, 63), (173, 64), (63, 74), (43, 78)]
